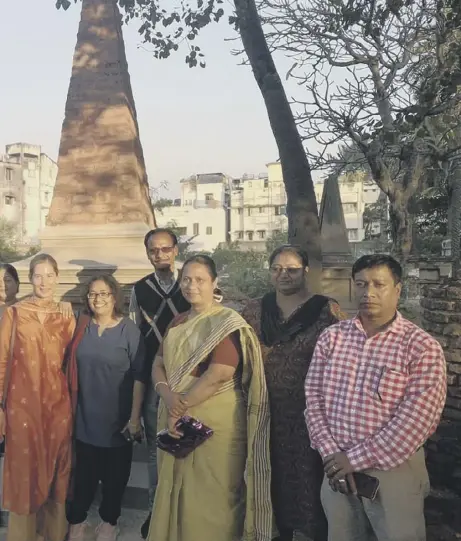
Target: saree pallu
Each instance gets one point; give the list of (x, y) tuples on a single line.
[(221, 491)]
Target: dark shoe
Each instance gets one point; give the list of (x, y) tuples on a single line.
[(145, 527)]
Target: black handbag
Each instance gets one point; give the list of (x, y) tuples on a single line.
[(194, 433)]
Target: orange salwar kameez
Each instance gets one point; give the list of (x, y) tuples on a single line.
[(38, 422)]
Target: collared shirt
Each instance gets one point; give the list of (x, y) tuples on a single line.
[(135, 310), (378, 399)]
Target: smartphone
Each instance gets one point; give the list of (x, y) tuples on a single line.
[(127, 435), (367, 485)]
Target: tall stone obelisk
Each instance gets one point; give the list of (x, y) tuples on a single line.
[(336, 251), (101, 207)]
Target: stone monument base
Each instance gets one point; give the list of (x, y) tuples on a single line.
[(337, 284), (117, 249)]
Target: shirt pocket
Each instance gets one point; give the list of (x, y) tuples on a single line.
[(387, 386)]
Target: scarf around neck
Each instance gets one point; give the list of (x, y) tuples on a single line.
[(275, 331)]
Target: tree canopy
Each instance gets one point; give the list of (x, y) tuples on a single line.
[(378, 74)]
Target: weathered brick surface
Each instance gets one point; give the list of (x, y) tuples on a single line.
[(102, 176), (437, 304), (442, 318)]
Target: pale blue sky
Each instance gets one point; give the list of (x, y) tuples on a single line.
[(191, 120)]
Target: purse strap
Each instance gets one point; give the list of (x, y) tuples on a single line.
[(9, 363)]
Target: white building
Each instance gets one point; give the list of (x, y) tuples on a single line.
[(258, 207), (215, 209), (202, 214), (357, 190), (27, 179)]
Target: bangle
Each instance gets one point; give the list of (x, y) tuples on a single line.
[(160, 383)]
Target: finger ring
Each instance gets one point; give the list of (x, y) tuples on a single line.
[(342, 480)]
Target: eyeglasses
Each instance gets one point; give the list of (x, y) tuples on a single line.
[(291, 271), (162, 250), (103, 295)]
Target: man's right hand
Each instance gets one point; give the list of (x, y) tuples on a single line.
[(345, 485), (2, 425), (175, 404)]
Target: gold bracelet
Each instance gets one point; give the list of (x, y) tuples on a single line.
[(160, 383)]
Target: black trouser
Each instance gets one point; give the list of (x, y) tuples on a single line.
[(111, 466)]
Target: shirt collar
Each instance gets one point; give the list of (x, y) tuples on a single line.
[(175, 275), (396, 327), (169, 286)]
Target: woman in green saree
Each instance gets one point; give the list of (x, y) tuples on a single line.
[(210, 367)]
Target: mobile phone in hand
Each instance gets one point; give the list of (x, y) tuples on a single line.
[(367, 485), (127, 435), (136, 438)]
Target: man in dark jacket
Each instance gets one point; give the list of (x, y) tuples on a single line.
[(155, 300)]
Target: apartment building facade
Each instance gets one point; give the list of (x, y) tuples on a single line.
[(202, 215), (27, 179), (215, 208), (258, 208)]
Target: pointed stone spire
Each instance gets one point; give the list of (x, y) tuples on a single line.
[(102, 176), (336, 251)]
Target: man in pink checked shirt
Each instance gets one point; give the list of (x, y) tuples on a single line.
[(375, 391)]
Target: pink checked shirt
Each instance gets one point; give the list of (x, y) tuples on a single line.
[(378, 399)]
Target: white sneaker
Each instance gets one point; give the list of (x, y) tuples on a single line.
[(77, 531), (106, 532)]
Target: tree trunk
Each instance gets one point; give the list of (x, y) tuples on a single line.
[(303, 222), (455, 215), (401, 223)]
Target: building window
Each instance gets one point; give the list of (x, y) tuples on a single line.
[(209, 230), (196, 229), (250, 235), (181, 231), (249, 211), (353, 234), (276, 232), (262, 234), (239, 211), (261, 210), (8, 174), (47, 197), (209, 197), (266, 183), (239, 235), (277, 211), (250, 184), (349, 208), (9, 200)]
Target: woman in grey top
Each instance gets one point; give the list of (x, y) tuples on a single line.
[(110, 365)]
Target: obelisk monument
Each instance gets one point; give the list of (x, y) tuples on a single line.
[(101, 207), (336, 251)]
